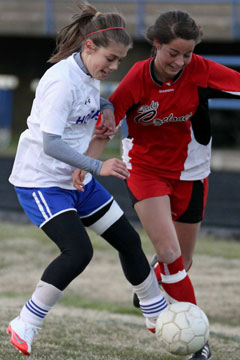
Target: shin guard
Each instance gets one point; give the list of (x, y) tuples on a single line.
[(176, 282)]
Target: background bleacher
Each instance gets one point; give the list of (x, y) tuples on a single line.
[(219, 18)]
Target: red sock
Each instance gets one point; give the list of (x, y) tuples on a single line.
[(176, 282), (157, 272)]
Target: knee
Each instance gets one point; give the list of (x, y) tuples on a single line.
[(87, 255), (123, 237), (79, 258), (168, 254), (132, 244)]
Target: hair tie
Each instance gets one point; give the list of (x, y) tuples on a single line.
[(111, 28)]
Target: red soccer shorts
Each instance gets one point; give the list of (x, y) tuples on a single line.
[(187, 198)]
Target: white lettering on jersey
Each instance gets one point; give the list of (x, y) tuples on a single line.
[(147, 116), (171, 118), (166, 90)]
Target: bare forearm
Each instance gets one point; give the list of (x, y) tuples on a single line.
[(96, 146)]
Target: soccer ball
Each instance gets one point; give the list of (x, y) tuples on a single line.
[(183, 328)]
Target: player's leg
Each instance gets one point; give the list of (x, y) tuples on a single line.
[(155, 266), (189, 201), (109, 221), (155, 216), (122, 236), (187, 235), (66, 230), (69, 234), (187, 227)]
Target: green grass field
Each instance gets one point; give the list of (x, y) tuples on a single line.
[(95, 320)]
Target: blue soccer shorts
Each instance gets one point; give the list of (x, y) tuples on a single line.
[(42, 204)]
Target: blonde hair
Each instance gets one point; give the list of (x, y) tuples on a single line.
[(90, 23)]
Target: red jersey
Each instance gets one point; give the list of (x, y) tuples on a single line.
[(168, 122)]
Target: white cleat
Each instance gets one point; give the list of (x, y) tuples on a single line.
[(22, 335), (151, 324)]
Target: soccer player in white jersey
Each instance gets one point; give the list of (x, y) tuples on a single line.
[(60, 127), (165, 101)]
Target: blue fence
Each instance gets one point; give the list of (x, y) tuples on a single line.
[(8, 83), (140, 12)]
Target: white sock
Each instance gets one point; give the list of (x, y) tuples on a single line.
[(43, 299), (152, 302)]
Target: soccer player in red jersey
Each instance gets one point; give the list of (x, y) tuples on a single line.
[(167, 153)]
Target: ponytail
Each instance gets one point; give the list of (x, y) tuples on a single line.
[(89, 24)]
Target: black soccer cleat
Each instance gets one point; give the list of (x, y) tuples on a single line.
[(136, 302), (154, 260), (202, 354)]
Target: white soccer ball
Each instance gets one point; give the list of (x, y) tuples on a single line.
[(183, 328)]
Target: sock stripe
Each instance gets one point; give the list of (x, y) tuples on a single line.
[(153, 308), (38, 307), (151, 305), (33, 312), (35, 309), (154, 312)]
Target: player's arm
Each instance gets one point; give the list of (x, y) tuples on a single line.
[(95, 149), (114, 167), (55, 147), (106, 122), (96, 146), (224, 80)]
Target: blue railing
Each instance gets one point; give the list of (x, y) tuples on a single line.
[(140, 11), (49, 17)]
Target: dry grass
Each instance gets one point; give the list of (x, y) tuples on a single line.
[(95, 319)]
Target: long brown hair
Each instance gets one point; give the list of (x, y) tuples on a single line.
[(71, 38), (172, 25)]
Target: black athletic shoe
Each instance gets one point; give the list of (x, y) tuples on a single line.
[(136, 302), (135, 297), (203, 354), (154, 260)]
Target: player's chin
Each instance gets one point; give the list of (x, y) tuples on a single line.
[(102, 75), (173, 71)]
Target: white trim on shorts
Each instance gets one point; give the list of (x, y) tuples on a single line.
[(56, 214)]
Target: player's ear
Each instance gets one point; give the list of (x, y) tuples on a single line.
[(89, 46), (156, 44)]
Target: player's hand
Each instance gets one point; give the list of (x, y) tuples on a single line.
[(107, 126), (114, 167), (78, 177)]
